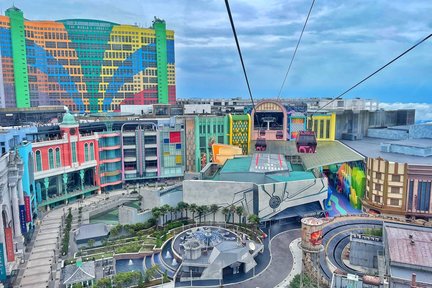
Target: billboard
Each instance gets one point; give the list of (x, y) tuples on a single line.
[(22, 216), (9, 244), (2, 264), (27, 209)]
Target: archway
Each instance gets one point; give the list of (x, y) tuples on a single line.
[(269, 121)]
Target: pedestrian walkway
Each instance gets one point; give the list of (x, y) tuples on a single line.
[(42, 268), (297, 263)]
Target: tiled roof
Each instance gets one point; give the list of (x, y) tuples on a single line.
[(74, 274)]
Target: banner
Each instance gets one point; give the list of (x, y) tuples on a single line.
[(27, 209), (22, 216), (9, 244), (2, 264)]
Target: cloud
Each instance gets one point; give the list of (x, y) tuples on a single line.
[(344, 41), (423, 110)]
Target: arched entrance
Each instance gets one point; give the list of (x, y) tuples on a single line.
[(269, 121)]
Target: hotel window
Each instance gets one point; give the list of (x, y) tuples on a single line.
[(395, 190), (378, 187), (58, 157), (38, 161), (395, 178), (377, 198), (51, 158), (378, 175), (394, 202), (410, 194), (423, 196), (92, 151), (86, 154), (74, 156)]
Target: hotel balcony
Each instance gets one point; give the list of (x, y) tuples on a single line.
[(109, 148), (151, 157), (69, 195), (150, 145), (128, 134), (130, 159), (129, 146)]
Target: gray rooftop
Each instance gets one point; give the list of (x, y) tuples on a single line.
[(371, 148), (74, 274), (90, 231), (327, 152)]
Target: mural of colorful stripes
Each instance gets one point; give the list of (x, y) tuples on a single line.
[(87, 65)]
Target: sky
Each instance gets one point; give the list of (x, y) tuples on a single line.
[(344, 41)]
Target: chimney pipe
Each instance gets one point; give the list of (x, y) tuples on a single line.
[(413, 280)]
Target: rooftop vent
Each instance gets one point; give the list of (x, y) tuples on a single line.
[(412, 242), (411, 236)]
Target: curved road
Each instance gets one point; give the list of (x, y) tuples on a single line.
[(336, 238), (280, 265)]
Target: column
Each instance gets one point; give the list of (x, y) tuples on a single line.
[(20, 192), (15, 208)]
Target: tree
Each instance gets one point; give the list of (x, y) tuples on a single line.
[(181, 206), (193, 208), (186, 209), (103, 283), (156, 212), (200, 211), (307, 282), (205, 210), (171, 211), (166, 208), (163, 210), (232, 212), (214, 209), (239, 211), (253, 219), (225, 212), (77, 285), (90, 243)]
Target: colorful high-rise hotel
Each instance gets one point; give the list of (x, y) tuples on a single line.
[(87, 65)]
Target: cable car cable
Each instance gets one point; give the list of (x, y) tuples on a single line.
[(295, 50), (370, 75)]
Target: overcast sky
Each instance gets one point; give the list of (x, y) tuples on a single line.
[(343, 42)]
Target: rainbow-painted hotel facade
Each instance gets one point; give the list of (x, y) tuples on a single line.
[(87, 65)]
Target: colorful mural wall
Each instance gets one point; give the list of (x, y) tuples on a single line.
[(351, 182)]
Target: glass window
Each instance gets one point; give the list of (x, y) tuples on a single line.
[(74, 156), (410, 194), (58, 157), (394, 202), (423, 196), (38, 161), (86, 154), (51, 158), (92, 156), (395, 178)]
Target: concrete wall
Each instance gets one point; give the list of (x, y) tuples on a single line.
[(420, 131), (130, 215), (197, 109), (291, 193), (391, 134)]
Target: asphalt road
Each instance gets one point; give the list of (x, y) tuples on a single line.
[(280, 265)]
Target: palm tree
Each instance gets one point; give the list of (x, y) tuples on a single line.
[(181, 206), (225, 212), (156, 212), (205, 210), (163, 211), (186, 208), (200, 211), (239, 211), (171, 210), (214, 209), (166, 208), (253, 219), (193, 208), (232, 212)]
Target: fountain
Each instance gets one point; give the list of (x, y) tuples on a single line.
[(130, 262), (168, 255), (174, 262)]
